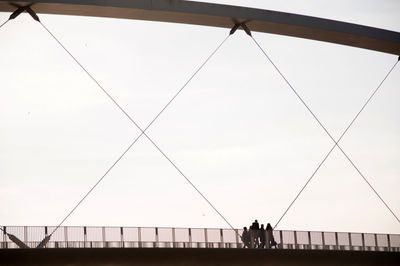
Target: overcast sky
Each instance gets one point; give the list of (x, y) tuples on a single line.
[(237, 130)]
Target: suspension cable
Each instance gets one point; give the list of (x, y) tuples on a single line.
[(330, 151), (4, 23), (95, 185), (142, 131), (330, 136)]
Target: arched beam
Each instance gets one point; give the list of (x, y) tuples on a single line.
[(216, 15)]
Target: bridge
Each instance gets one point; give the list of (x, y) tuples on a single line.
[(66, 240), (90, 245), (225, 16), (164, 237)]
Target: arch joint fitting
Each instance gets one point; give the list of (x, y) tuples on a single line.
[(242, 25), (21, 9)]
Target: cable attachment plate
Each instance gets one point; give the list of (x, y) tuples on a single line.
[(240, 24), (21, 9), (44, 242), (17, 241)]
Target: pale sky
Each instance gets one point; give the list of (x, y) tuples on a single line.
[(237, 130)]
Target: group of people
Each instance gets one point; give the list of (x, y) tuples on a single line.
[(258, 237)]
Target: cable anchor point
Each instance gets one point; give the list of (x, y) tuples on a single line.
[(21, 9), (44, 242), (238, 25)]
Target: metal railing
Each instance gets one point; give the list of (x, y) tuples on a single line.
[(162, 237)]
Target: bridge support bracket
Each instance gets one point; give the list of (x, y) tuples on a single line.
[(240, 24), (21, 9)]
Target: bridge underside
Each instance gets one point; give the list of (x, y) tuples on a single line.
[(144, 256), (216, 15)]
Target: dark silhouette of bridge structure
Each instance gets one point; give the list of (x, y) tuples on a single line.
[(164, 237), (371, 247)]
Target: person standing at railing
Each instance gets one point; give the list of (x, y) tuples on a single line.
[(270, 241), (255, 234), (246, 237), (262, 237)]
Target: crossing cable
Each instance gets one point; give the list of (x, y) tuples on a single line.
[(18, 11), (330, 151), (330, 136), (4, 23), (142, 131)]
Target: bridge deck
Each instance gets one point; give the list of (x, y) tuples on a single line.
[(194, 257)]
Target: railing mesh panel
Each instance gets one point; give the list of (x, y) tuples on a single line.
[(316, 238), (369, 240), (229, 235), (165, 234), (330, 238), (35, 233), (214, 235), (112, 234), (198, 235), (302, 238), (148, 234), (343, 239), (288, 237), (94, 234), (181, 235), (382, 240), (395, 241), (75, 233), (131, 234)]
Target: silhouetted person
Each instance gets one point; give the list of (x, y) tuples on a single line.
[(255, 234), (270, 237), (262, 237), (246, 237), (256, 225)]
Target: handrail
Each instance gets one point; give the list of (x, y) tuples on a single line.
[(168, 237)]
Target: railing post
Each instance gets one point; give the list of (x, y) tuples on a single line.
[(281, 237), (157, 240), (103, 236), (376, 241), (337, 241), (206, 237), (66, 235), (221, 238), (323, 240), (237, 238), (84, 236), (139, 237), (122, 237), (350, 242), (173, 237), (295, 239), (309, 240), (25, 233), (363, 241), (190, 237), (388, 239)]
